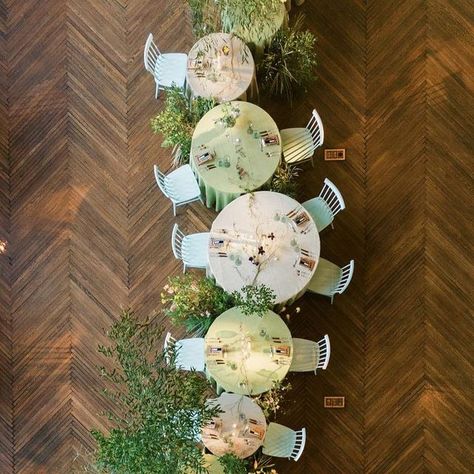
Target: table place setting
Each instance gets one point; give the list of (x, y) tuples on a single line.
[(269, 236), (239, 429)]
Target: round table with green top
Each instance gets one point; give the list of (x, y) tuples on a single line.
[(237, 161), (247, 354), (257, 34)]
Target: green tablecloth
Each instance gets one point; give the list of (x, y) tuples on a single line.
[(222, 184), (259, 35), (249, 363)]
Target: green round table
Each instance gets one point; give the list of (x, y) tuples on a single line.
[(240, 163), (247, 354)]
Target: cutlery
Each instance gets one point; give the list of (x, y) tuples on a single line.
[(211, 167), (293, 212)]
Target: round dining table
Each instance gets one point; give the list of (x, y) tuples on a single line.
[(264, 238), (220, 66), (248, 354), (238, 159), (239, 429)]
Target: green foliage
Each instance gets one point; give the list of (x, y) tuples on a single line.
[(270, 401), (290, 62), (284, 180), (158, 409), (261, 464), (194, 302), (254, 299), (232, 464), (204, 17), (177, 121), (230, 113), (247, 13)]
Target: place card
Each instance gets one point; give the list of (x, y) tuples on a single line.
[(256, 431), (281, 350), (216, 243), (215, 350), (270, 140), (204, 158), (307, 262), (301, 218)]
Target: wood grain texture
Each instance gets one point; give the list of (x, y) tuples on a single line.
[(89, 232)]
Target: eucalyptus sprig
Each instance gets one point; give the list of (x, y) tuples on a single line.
[(159, 410), (254, 299)]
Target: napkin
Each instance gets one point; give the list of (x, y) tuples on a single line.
[(270, 139), (307, 262), (203, 156)]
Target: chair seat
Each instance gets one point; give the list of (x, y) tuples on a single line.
[(320, 212), (305, 355), (297, 144), (190, 354), (181, 185), (194, 250), (326, 278), (171, 68), (279, 441)]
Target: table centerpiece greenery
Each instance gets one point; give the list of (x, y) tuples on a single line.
[(177, 120), (254, 299), (152, 430), (290, 61)]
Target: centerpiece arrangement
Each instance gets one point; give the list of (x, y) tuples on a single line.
[(230, 115)]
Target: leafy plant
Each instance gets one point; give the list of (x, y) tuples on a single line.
[(270, 401), (262, 464), (290, 62), (194, 302), (247, 13), (159, 409), (177, 122), (233, 464), (254, 299), (230, 113), (284, 180), (205, 17)]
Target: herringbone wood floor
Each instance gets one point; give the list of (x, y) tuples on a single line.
[(88, 232)]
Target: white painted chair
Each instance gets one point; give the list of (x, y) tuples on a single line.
[(329, 279), (283, 442), (191, 249), (179, 186), (324, 207), (299, 144), (309, 356), (167, 69), (189, 352)]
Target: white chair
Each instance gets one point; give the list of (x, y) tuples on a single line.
[(309, 356), (180, 186), (167, 69), (189, 352), (191, 249), (324, 207), (299, 144), (329, 279), (283, 442)]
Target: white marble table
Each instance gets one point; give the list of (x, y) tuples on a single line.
[(220, 66), (264, 238)]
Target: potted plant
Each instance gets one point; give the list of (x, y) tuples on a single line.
[(194, 302), (177, 122), (254, 299), (290, 61), (158, 409)]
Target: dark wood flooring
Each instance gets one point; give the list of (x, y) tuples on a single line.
[(88, 231)]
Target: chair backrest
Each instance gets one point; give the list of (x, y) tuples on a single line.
[(160, 180), (170, 341), (324, 353), (151, 55), (281, 441), (332, 196), (315, 127), (346, 276), (299, 444), (176, 242)]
